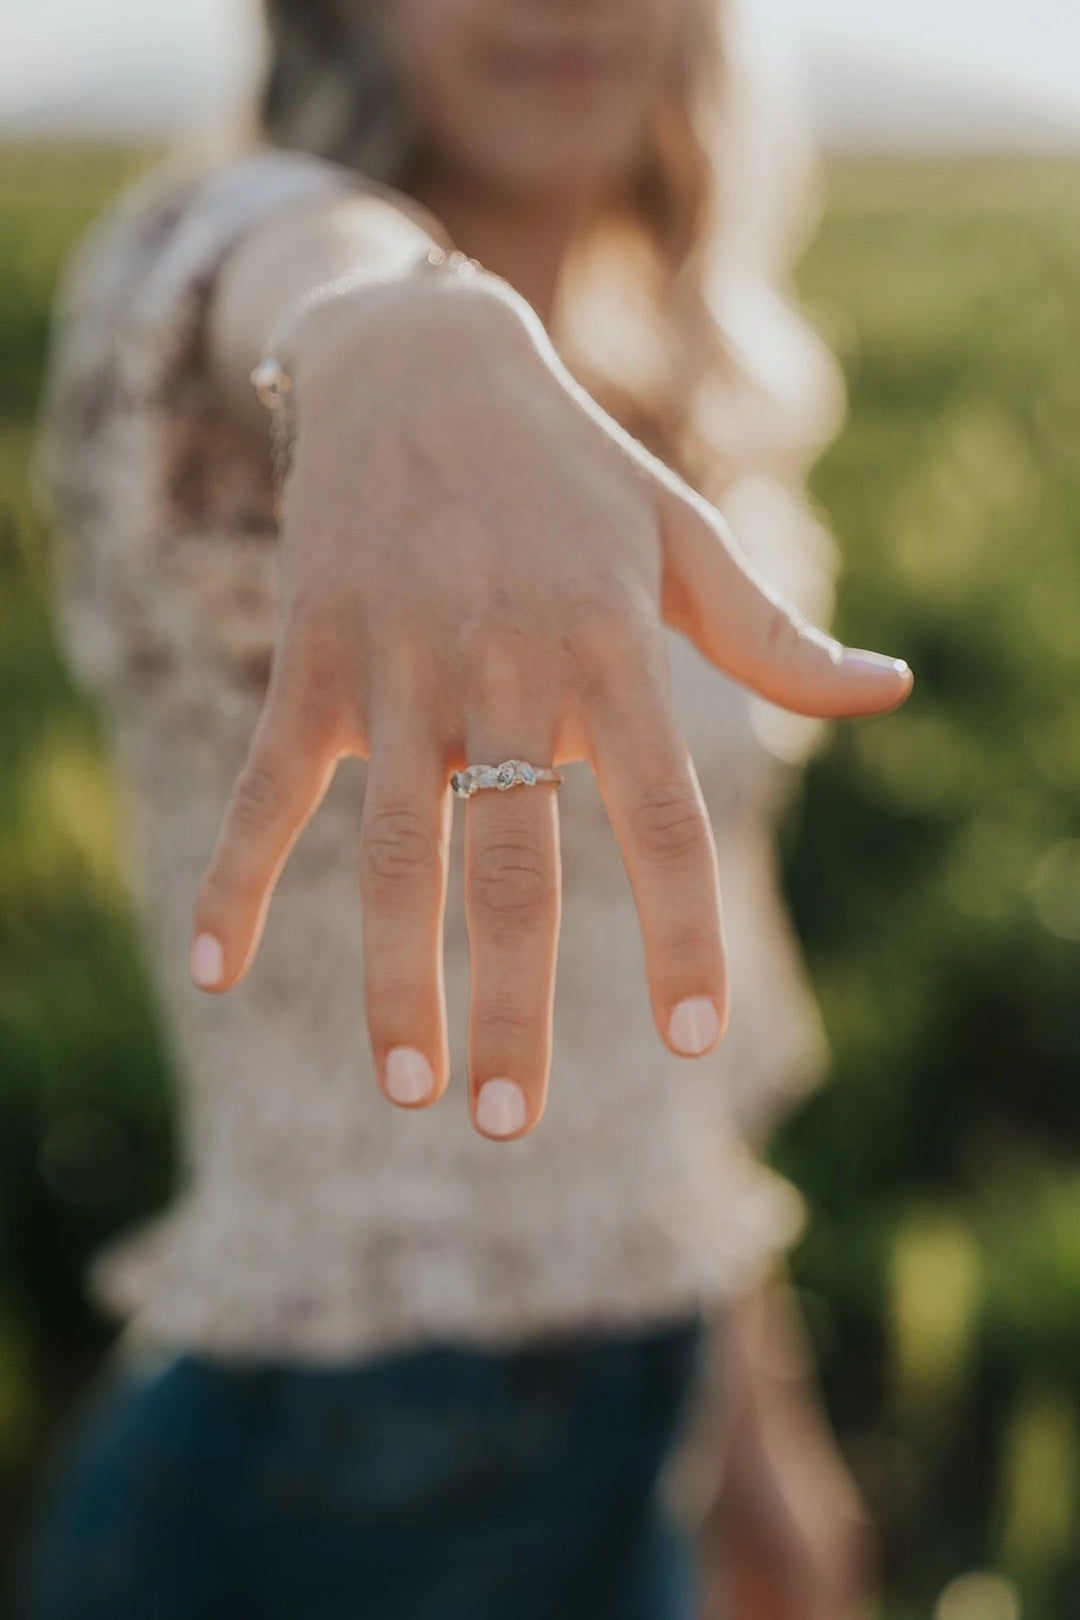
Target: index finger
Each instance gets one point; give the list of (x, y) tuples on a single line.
[(650, 791)]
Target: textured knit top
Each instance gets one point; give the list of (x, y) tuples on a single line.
[(315, 1220)]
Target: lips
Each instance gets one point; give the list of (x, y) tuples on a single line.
[(572, 61)]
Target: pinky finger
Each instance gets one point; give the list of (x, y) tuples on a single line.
[(286, 774)]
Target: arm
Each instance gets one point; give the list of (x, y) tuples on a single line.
[(788, 1538), (274, 265), (476, 564)]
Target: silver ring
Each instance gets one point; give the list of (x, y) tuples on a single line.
[(511, 773)]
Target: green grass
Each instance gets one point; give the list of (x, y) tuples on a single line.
[(85, 1107), (935, 868), (933, 864)]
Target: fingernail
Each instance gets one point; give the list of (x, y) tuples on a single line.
[(207, 961), (500, 1108), (872, 663), (693, 1026), (408, 1075)]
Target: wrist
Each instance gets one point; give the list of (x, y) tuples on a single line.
[(437, 308), (442, 327)]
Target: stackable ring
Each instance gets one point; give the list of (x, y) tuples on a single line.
[(511, 773)]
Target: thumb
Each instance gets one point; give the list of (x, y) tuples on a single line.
[(712, 594)]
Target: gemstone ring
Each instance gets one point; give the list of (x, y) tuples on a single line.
[(511, 773)]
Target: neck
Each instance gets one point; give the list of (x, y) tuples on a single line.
[(524, 240)]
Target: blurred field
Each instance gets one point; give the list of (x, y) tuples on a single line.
[(934, 865)]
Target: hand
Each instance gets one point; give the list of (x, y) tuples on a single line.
[(788, 1537), (477, 564), (797, 1543)]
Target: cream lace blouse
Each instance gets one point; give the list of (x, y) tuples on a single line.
[(316, 1220)]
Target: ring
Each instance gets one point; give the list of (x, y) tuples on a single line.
[(511, 773)]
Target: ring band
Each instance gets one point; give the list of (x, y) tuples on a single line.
[(511, 773)]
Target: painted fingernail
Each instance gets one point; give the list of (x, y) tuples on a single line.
[(693, 1026), (207, 962), (408, 1075), (500, 1108), (872, 663)]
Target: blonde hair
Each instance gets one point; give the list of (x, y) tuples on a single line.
[(674, 309)]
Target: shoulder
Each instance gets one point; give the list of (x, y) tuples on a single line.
[(162, 222), (133, 283)]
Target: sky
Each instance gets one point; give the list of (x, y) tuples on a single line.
[(150, 65), (1028, 46)]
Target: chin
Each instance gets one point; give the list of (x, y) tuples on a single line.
[(552, 177), (561, 159)]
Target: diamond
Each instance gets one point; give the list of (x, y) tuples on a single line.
[(505, 775)]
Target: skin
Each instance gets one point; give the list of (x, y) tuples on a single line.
[(478, 564), (789, 1537), (428, 640), (530, 102)]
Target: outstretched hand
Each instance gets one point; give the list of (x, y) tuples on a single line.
[(478, 564)]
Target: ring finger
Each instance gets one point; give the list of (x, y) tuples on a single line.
[(403, 861)]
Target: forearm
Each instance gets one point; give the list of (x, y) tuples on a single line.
[(773, 1388), (771, 1352), (790, 1533), (275, 264)]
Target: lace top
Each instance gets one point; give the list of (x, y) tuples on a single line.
[(316, 1220)]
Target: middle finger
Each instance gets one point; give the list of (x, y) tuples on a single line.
[(512, 903)]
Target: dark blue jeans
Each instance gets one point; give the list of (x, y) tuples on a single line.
[(439, 1484)]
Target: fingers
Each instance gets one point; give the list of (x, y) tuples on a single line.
[(714, 597), (404, 845), (651, 793), (512, 906), (288, 769)]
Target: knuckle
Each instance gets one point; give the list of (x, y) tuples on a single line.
[(669, 823), (612, 645), (317, 705), (312, 621), (511, 881), (782, 634), (493, 651), (609, 619), (396, 850), (502, 1023), (391, 991), (686, 953), (310, 674), (608, 607), (260, 798), (221, 891)]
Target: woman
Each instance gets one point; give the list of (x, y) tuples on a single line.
[(431, 1361)]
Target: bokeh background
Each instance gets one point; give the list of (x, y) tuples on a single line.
[(933, 862)]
